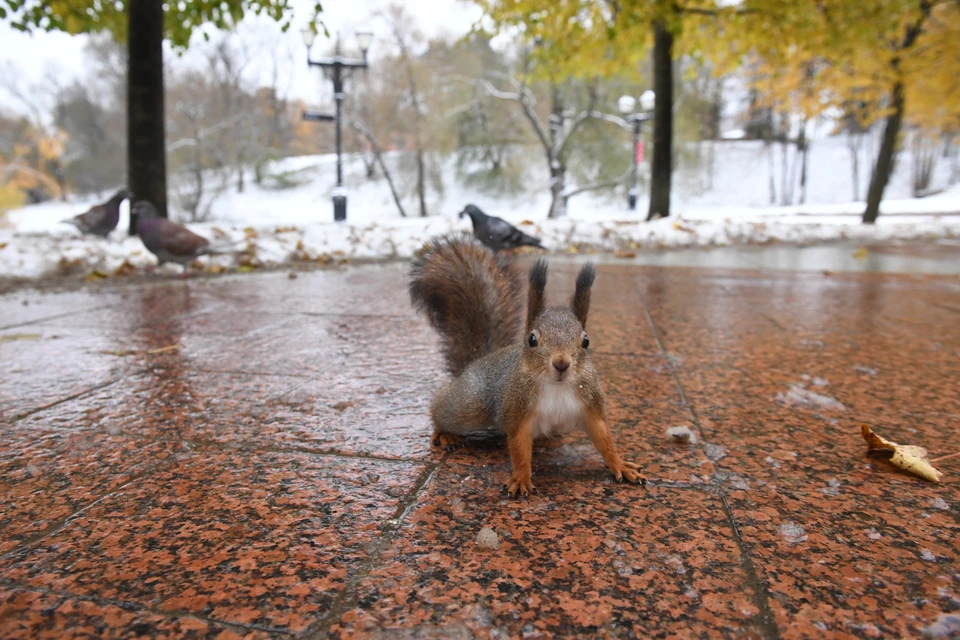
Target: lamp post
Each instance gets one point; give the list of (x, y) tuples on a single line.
[(337, 69), (627, 106)]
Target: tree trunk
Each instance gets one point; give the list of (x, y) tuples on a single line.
[(804, 154), (662, 123), (146, 144), (885, 158), (421, 181), (377, 152), (854, 145), (558, 201)]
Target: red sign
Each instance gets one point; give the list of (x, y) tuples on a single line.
[(639, 151)]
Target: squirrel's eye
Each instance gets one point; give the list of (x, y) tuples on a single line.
[(585, 342), (532, 340)]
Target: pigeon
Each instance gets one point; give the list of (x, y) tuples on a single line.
[(101, 219), (497, 233), (167, 240)]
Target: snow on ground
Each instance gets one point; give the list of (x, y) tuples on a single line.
[(295, 224)]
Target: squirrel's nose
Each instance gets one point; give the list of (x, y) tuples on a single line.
[(561, 364)]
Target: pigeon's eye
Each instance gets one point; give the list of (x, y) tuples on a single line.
[(584, 341), (532, 340)]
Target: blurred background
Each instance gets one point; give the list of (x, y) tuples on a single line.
[(720, 113)]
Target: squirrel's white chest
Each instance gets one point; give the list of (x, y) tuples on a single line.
[(559, 410)]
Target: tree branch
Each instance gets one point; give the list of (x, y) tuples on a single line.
[(522, 97), (582, 117), (360, 128), (594, 186)]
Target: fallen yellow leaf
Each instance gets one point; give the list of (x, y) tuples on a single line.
[(527, 222), (860, 253), (94, 275), (3, 245), (19, 336), (907, 457), (621, 253), (125, 269), (171, 347), (246, 268)]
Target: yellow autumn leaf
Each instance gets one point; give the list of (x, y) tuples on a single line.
[(620, 253), (908, 457), (245, 268), (19, 336), (860, 253), (527, 222)]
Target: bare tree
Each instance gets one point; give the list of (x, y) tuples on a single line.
[(557, 133), (404, 35)]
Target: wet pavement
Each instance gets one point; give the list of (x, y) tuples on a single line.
[(250, 457)]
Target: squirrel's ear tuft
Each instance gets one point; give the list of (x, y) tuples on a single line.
[(537, 298), (580, 304)]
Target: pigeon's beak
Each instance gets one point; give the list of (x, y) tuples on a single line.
[(461, 214)]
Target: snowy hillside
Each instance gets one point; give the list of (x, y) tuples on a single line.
[(280, 226)]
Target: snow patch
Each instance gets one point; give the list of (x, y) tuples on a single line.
[(798, 396)]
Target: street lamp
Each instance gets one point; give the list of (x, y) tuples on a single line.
[(337, 69), (627, 106)]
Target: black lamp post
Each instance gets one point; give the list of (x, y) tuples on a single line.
[(337, 69), (627, 106)]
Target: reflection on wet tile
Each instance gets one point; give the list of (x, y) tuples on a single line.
[(42, 366)]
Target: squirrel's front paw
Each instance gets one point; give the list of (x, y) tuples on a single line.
[(448, 441), (519, 483), (627, 471)]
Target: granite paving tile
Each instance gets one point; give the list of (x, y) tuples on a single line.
[(578, 559), (29, 615), (48, 475), (255, 539)]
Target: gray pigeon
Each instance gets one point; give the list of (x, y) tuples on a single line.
[(101, 219), (497, 233), (167, 240)]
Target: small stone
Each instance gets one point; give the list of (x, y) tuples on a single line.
[(947, 625), (939, 503), (714, 451), (873, 534), (396, 492), (682, 434), (792, 532), (927, 555), (368, 478), (488, 539)]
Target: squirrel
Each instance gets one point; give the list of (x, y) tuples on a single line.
[(539, 386)]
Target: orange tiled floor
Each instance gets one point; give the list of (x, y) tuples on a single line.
[(272, 476)]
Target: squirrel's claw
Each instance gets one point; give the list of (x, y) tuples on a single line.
[(447, 441), (628, 471), (520, 484)]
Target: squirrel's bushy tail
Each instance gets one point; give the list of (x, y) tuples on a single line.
[(470, 297)]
